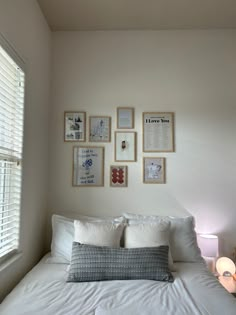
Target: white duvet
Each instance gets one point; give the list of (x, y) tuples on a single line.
[(44, 291)]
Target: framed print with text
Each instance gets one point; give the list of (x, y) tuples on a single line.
[(118, 175), (99, 129), (125, 117), (125, 146), (88, 166), (153, 170), (158, 132), (75, 126)]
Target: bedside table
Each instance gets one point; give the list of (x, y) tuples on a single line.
[(229, 284)]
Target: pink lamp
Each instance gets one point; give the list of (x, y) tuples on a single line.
[(209, 246)]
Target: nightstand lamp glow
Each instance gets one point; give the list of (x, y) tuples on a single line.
[(209, 246), (226, 269)]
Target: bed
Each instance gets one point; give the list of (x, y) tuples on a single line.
[(45, 290)]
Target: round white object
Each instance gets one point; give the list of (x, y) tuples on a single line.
[(225, 265)]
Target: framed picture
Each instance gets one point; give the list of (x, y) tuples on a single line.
[(158, 132), (153, 170), (125, 117), (125, 146), (88, 166), (75, 126), (118, 176), (99, 129)]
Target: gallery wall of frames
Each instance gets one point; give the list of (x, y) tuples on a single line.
[(88, 160)]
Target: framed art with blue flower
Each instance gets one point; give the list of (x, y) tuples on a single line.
[(88, 166)]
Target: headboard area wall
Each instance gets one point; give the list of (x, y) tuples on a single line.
[(189, 73)]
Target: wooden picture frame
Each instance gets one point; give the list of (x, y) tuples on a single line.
[(153, 170), (118, 176), (74, 126), (125, 117), (88, 166), (125, 146), (158, 132), (99, 128)]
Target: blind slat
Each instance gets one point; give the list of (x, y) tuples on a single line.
[(5, 101), (14, 222), (6, 111), (8, 229), (12, 227), (7, 217), (10, 241), (10, 140), (9, 120), (7, 210), (8, 236), (8, 249), (5, 71), (8, 94), (5, 62)]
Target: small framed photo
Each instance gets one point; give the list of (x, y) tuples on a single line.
[(99, 129), (153, 170), (125, 146), (125, 118), (158, 132), (118, 176), (88, 166), (74, 126)]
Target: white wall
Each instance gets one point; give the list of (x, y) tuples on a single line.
[(22, 24), (191, 73)]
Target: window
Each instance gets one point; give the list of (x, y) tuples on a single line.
[(12, 79)]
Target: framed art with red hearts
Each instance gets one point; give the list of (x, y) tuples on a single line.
[(118, 176)]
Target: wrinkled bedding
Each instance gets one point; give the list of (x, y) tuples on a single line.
[(44, 291)]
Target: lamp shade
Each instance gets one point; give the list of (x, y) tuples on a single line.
[(208, 244), (225, 266)]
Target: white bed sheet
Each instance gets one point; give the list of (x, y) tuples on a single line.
[(44, 291)]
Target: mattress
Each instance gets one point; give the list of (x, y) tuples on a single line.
[(44, 291)]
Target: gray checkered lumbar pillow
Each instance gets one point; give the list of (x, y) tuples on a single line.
[(95, 263)]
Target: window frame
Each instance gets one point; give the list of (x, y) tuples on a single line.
[(14, 55)]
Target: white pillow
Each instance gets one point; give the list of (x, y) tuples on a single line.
[(98, 233), (183, 240), (63, 235), (62, 238), (148, 235)]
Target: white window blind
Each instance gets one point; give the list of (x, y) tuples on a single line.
[(12, 80)]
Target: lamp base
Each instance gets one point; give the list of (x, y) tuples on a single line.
[(211, 263)]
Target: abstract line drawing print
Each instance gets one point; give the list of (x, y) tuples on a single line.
[(100, 129)]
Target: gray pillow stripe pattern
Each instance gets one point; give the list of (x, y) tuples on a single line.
[(96, 263)]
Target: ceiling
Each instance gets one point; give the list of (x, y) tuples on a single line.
[(76, 15)]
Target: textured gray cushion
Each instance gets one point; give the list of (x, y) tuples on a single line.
[(95, 263)]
